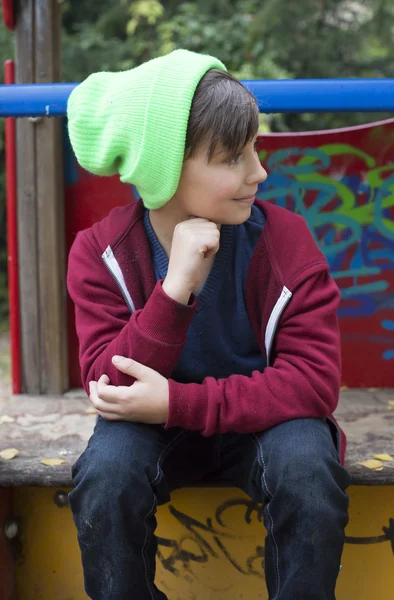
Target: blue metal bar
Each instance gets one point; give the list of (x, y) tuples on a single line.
[(35, 100), (299, 95), (324, 95)]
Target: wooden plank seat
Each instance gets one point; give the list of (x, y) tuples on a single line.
[(60, 426)]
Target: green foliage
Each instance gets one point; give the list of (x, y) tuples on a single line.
[(143, 11), (269, 39)]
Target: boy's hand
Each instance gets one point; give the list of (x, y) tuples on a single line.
[(145, 401), (193, 242)]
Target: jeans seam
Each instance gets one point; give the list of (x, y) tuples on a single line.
[(165, 451), (269, 494), (145, 545)]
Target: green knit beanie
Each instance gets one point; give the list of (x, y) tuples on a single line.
[(134, 122)]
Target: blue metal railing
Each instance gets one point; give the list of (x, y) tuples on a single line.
[(299, 95)]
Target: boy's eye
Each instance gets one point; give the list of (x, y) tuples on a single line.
[(235, 160)]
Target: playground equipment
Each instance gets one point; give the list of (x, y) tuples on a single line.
[(210, 540)]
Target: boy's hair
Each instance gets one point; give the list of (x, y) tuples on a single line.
[(223, 112)]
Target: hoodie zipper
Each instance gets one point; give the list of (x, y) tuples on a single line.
[(273, 321), (270, 331), (116, 272), (272, 325), (113, 267)]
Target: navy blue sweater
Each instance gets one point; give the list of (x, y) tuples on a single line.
[(220, 338)]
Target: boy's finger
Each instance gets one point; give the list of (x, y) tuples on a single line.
[(92, 387), (116, 394), (109, 416), (107, 392), (130, 367), (96, 396), (93, 391), (103, 406)]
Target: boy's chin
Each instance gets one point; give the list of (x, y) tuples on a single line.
[(235, 217), (232, 215)]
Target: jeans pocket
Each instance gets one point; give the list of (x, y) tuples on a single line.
[(76, 468), (335, 434)]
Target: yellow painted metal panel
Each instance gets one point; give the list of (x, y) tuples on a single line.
[(210, 547)]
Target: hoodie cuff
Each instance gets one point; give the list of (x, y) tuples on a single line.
[(188, 407), (164, 319)]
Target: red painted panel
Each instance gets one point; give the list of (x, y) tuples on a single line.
[(88, 199), (342, 182)]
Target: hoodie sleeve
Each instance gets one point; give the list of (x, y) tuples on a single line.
[(154, 335), (303, 381)]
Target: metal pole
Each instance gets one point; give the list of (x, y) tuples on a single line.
[(299, 95)]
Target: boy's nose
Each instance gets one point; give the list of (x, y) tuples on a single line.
[(259, 174), (263, 174)]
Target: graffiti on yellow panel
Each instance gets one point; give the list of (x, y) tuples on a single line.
[(210, 547), (202, 541), (211, 540)]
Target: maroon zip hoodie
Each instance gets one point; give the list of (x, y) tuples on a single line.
[(291, 301)]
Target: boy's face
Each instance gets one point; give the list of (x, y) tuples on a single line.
[(213, 190)]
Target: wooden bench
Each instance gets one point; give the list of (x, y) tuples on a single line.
[(200, 554), (60, 426)]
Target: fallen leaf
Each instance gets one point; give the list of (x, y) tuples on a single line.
[(391, 403), (373, 389), (52, 462), (371, 464), (6, 419), (65, 452), (9, 453), (384, 457), (379, 469), (343, 388), (91, 411)]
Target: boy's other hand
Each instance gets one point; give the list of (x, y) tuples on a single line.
[(194, 241), (145, 401)]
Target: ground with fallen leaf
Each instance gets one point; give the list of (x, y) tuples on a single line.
[(40, 437), (377, 462), (9, 453)]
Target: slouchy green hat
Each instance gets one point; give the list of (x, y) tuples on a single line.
[(134, 122)]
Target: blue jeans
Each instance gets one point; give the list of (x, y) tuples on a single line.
[(129, 468)]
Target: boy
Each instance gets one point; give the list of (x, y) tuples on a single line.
[(208, 334)]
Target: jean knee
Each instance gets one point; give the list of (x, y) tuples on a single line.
[(103, 481), (301, 455)]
